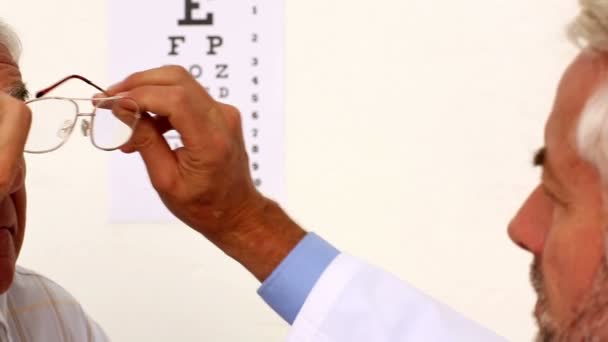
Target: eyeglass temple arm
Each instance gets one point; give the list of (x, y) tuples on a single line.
[(45, 91)]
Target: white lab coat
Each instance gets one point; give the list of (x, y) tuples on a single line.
[(355, 302)]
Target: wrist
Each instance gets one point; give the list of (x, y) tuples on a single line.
[(259, 236)]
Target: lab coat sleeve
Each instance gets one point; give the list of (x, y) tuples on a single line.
[(287, 288), (355, 302)]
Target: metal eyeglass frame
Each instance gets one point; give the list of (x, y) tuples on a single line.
[(88, 130)]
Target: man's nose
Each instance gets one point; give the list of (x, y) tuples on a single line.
[(530, 226)]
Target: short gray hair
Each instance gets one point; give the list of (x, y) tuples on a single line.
[(590, 28), (592, 132), (9, 38), (590, 31)]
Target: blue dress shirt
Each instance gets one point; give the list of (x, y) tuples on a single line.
[(290, 283)]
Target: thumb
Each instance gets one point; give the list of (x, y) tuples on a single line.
[(160, 161)]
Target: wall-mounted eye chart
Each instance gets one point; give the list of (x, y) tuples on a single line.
[(235, 49)]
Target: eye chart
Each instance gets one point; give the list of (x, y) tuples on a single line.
[(232, 47)]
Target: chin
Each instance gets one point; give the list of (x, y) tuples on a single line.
[(589, 321)]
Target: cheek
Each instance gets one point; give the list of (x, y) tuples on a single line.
[(574, 250)]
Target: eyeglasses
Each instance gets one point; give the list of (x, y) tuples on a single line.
[(110, 125)]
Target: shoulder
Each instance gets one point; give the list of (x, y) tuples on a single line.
[(43, 308), (32, 285)]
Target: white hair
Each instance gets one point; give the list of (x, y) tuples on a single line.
[(590, 31), (9, 39), (592, 131)]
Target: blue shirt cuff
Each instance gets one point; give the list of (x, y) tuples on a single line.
[(290, 283)]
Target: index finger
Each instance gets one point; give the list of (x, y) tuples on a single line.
[(15, 121)]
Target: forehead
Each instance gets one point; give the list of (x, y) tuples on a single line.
[(9, 71)]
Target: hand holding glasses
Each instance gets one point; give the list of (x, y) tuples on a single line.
[(110, 125)]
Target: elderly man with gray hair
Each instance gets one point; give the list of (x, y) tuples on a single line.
[(326, 295), (32, 307)]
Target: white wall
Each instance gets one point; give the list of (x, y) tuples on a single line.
[(410, 126)]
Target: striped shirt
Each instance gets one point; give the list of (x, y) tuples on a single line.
[(37, 309)]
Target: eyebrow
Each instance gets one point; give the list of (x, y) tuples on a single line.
[(541, 160), (19, 90), (540, 157)]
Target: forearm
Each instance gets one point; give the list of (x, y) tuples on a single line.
[(262, 237)]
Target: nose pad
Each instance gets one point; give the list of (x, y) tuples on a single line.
[(66, 129), (85, 127)]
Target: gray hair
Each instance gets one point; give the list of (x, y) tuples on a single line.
[(592, 131), (590, 31), (9, 38)]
